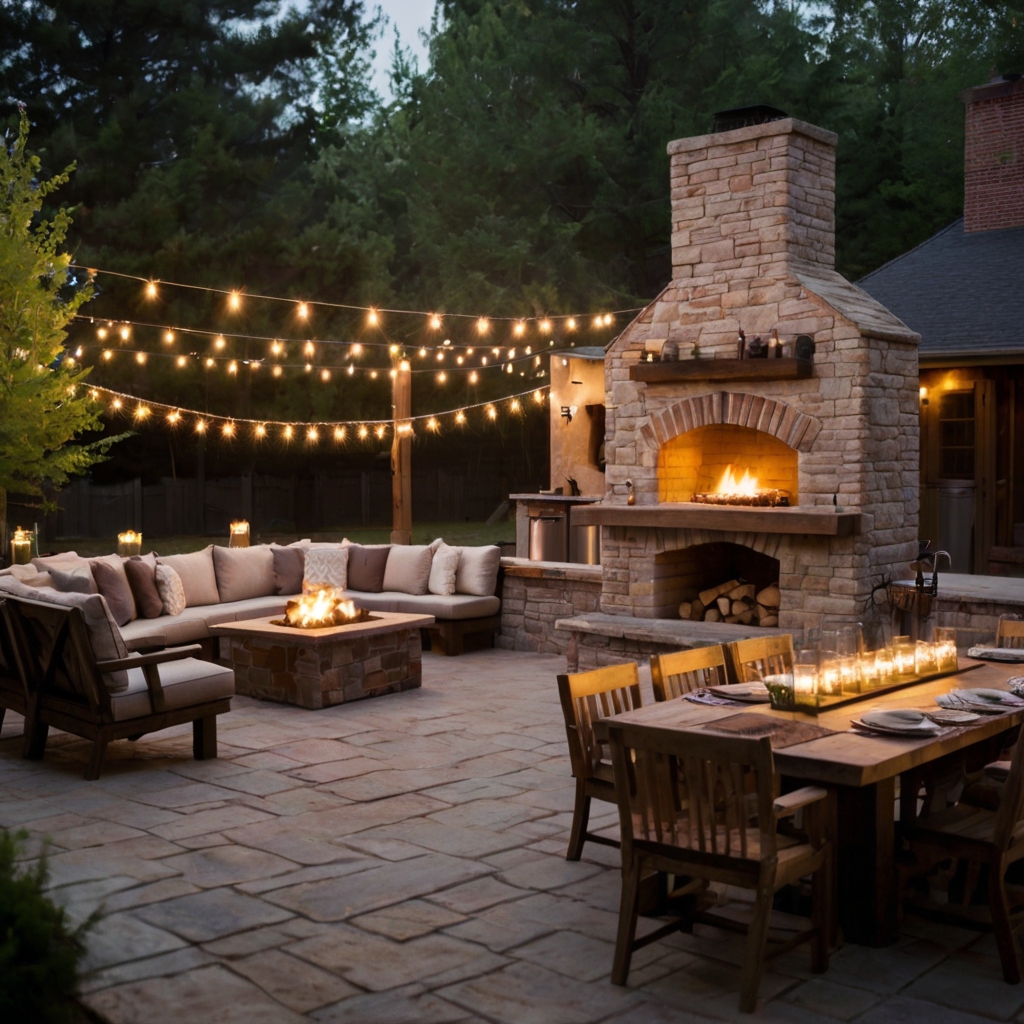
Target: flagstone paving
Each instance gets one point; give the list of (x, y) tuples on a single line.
[(402, 860)]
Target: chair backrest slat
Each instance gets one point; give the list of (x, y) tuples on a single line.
[(695, 791), (681, 672), (755, 659), (1010, 633), (1011, 802), (587, 697)]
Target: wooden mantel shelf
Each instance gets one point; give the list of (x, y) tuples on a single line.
[(722, 369), (689, 515)]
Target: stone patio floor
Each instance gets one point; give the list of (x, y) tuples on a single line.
[(402, 860)]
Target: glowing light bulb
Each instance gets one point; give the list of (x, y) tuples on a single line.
[(210, 363), (393, 374), (371, 318), (380, 431), (363, 433), (538, 396), (151, 290), (140, 358), (545, 326), (447, 341), (404, 366), (228, 430), (483, 360), (442, 377), (312, 435), (469, 351), (515, 405), (492, 413), (261, 430), (220, 342), (373, 375), (509, 368), (309, 349), (276, 348), (309, 367), (351, 370), (458, 360), (141, 412), (608, 319), (598, 322), (288, 433), (200, 426), (357, 350), (254, 365), (168, 337), (339, 433), (435, 322), (174, 417), (520, 329), (126, 333), (393, 349), (423, 352), (303, 311), (440, 357), (482, 325), (473, 378), (432, 424), (460, 417), (234, 301), (181, 361), (107, 354), (511, 353), (325, 375), (117, 403), (570, 324), (232, 367), (101, 333), (94, 394), (277, 371)]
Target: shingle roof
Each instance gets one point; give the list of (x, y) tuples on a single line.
[(963, 293)]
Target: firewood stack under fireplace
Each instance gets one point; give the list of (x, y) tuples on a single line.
[(734, 601)]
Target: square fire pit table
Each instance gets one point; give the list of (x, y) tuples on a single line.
[(318, 668)]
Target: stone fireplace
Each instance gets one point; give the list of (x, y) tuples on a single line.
[(835, 434)]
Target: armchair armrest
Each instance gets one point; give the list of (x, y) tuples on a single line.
[(790, 803), (137, 660), (149, 664)]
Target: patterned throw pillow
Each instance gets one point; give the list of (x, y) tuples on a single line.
[(171, 590), (325, 568)]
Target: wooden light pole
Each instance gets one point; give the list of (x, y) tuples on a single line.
[(401, 452)]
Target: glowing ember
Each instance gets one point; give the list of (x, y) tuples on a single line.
[(743, 490), (320, 609)]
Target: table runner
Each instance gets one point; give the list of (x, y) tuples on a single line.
[(782, 731)]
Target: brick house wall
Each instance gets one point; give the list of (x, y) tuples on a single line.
[(994, 156)]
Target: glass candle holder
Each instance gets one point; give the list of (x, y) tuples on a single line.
[(868, 673), (884, 671), (945, 649), (238, 536), (21, 547), (129, 543), (780, 691), (924, 658), (805, 677), (830, 680), (904, 658), (849, 673)]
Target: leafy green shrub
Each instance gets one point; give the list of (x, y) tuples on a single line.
[(39, 949)]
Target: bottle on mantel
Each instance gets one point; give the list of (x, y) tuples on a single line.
[(741, 346)]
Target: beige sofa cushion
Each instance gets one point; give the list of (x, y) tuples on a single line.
[(185, 683), (457, 606), (104, 636), (408, 568), (478, 570), (244, 572), (443, 570), (198, 576)]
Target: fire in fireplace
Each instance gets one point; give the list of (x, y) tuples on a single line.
[(743, 491), (321, 609)]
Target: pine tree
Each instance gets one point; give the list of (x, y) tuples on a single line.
[(43, 403)]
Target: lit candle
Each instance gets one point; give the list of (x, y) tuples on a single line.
[(830, 678), (883, 667), (868, 673), (849, 674), (21, 547), (945, 649), (924, 658), (805, 684), (239, 534), (129, 543)]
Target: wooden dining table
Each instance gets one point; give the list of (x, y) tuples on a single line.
[(862, 769)]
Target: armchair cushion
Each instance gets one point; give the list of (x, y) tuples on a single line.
[(197, 576), (184, 683)]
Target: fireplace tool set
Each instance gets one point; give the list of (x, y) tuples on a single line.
[(912, 599)]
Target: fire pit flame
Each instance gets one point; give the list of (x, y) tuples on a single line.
[(320, 609), (742, 491)]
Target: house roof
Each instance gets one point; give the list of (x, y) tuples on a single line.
[(964, 293)]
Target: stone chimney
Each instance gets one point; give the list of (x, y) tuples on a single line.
[(994, 155), (753, 199)]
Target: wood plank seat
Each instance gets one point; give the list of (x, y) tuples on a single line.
[(121, 697), (588, 697), (681, 672), (705, 808)]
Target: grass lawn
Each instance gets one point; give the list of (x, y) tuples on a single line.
[(422, 533)]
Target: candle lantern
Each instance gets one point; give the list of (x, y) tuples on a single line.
[(129, 543), (945, 649), (924, 658), (805, 678), (884, 671), (904, 658), (239, 534), (21, 547)]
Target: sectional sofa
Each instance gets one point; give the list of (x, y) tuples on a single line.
[(458, 586)]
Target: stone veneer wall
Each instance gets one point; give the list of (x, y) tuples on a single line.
[(535, 594), (753, 249)]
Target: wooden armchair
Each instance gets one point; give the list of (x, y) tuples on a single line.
[(68, 688), (1010, 633), (979, 837), (587, 697), (681, 672), (12, 690), (754, 659), (703, 807)]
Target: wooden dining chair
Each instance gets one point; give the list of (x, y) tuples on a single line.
[(754, 659), (681, 672), (587, 697), (1010, 633), (978, 837), (704, 808)]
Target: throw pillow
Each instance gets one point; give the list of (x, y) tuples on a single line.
[(116, 562), (72, 581), (407, 570), (366, 565), (243, 573), (198, 576), (170, 589), (325, 567), (113, 586), (289, 563), (443, 571), (66, 560), (142, 580), (478, 570)]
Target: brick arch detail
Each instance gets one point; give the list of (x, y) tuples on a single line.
[(780, 419)]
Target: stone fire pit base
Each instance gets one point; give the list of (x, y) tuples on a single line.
[(318, 668)]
